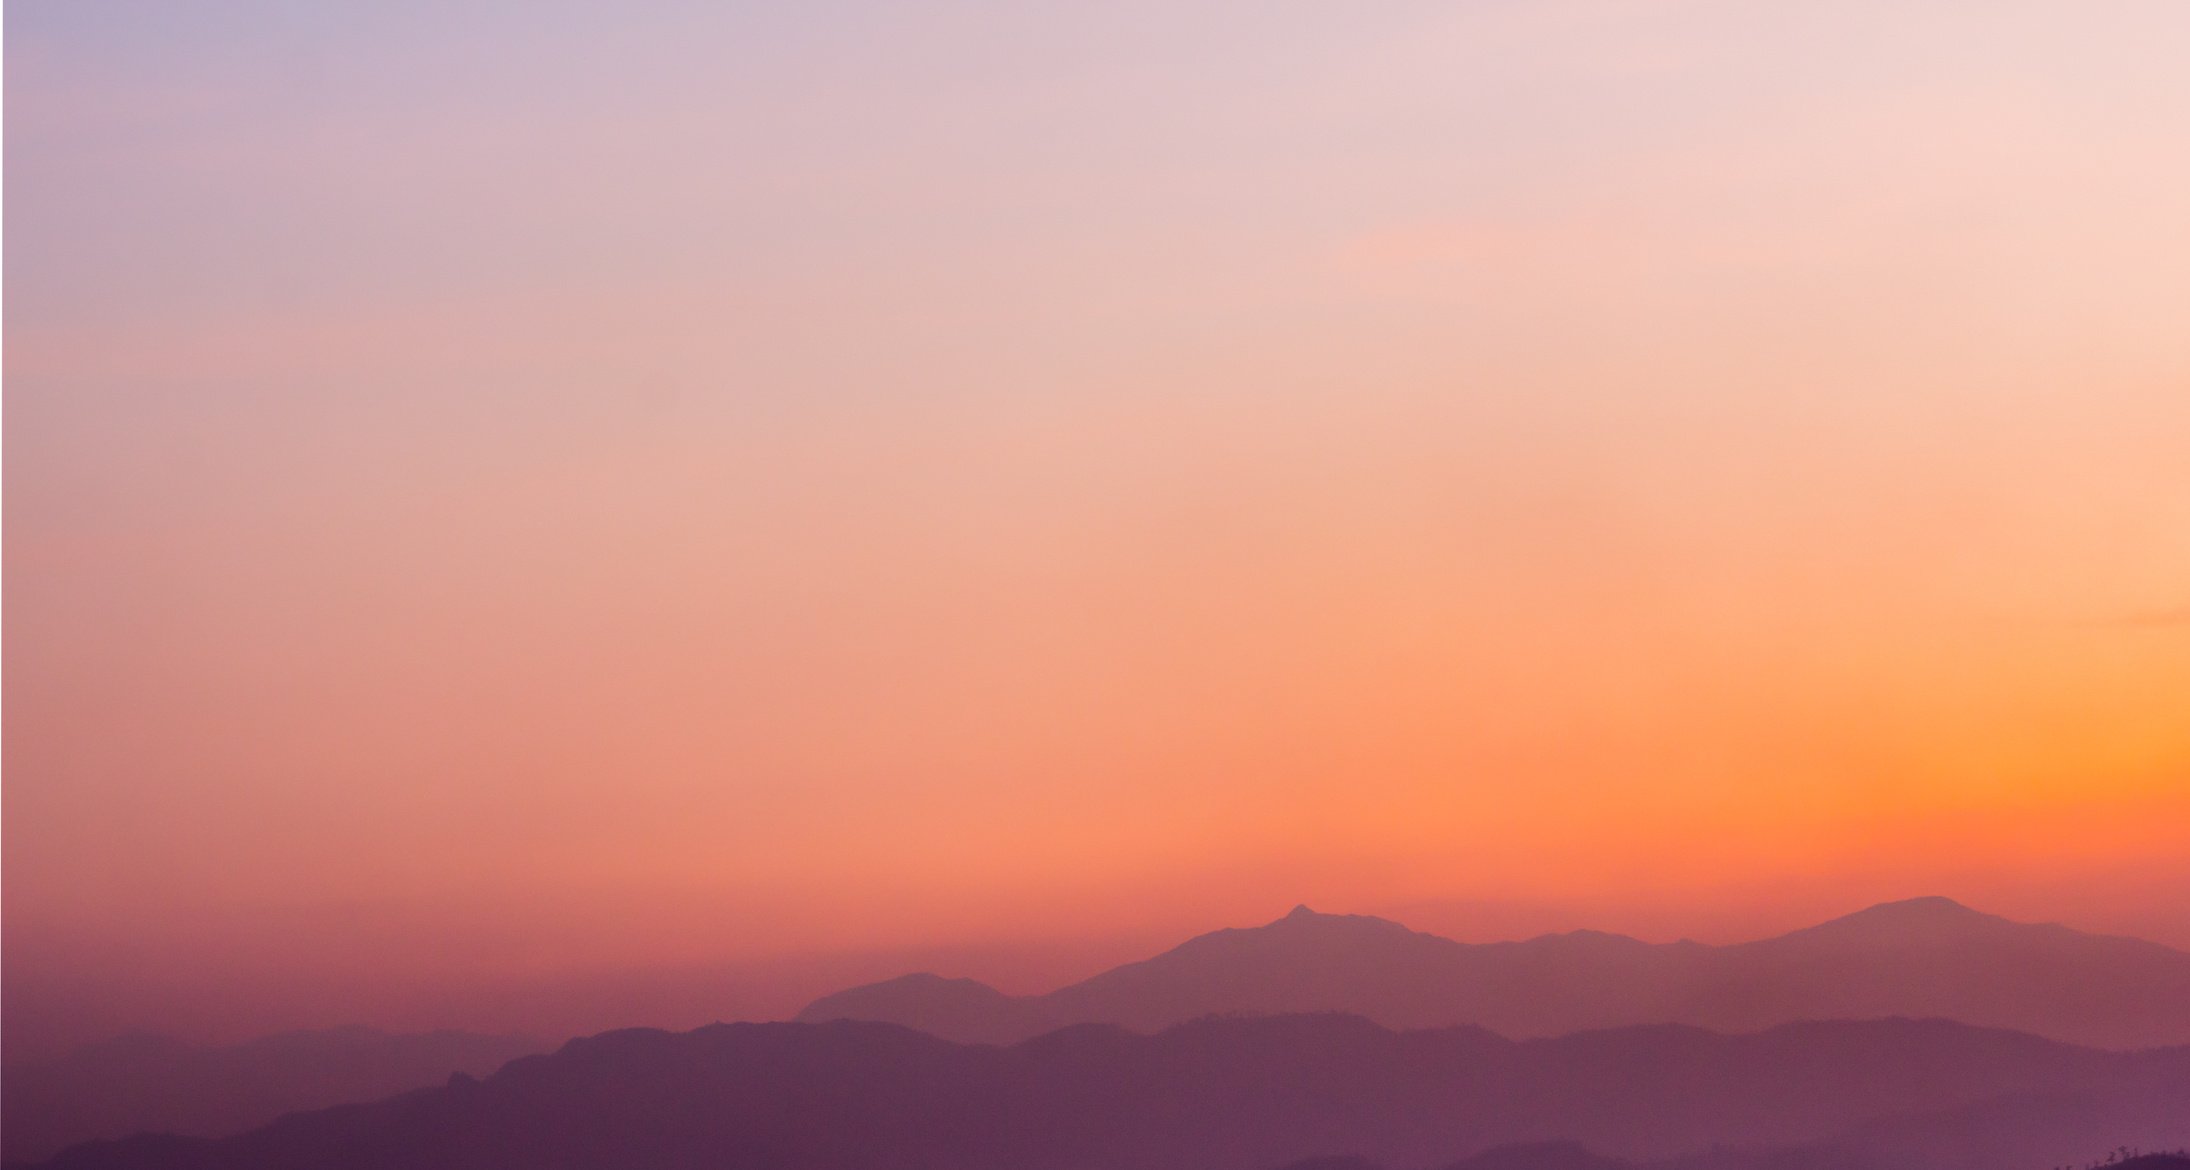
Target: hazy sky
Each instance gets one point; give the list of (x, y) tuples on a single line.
[(509, 490)]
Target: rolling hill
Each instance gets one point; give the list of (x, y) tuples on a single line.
[(149, 1083), (1241, 1094), (1927, 957)]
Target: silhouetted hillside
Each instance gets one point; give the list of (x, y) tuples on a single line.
[(1921, 958), (156, 1084), (1237, 1094)]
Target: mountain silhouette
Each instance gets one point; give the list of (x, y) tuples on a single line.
[(150, 1083), (1234, 1094), (1923, 957)]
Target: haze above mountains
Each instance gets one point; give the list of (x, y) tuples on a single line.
[(1643, 1003), (1925, 957)]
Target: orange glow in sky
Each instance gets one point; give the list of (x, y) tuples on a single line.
[(493, 496)]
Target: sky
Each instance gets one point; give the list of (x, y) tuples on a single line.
[(621, 512)]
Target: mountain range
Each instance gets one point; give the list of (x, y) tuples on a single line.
[(1316, 1035), (1244, 1094), (1925, 957), (151, 1083)]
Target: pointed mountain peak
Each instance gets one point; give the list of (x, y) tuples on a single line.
[(1303, 921), (1932, 908), (1913, 920), (1301, 915)]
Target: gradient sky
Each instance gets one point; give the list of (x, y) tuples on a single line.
[(505, 492)]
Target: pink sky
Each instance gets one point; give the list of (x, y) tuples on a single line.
[(500, 495)]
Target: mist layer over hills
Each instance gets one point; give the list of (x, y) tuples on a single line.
[(1926, 957), (1241, 1094), (1314, 1035), (147, 1083)]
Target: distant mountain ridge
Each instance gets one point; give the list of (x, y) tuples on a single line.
[(1924, 957), (1244, 1094), (152, 1083)]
